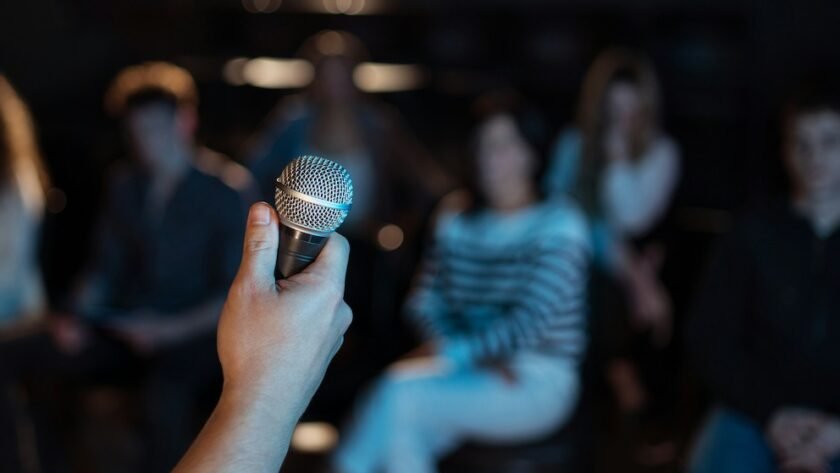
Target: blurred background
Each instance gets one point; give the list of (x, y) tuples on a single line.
[(724, 68)]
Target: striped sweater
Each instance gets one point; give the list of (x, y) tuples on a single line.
[(493, 284)]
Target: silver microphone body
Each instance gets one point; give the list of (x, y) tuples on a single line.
[(313, 196)]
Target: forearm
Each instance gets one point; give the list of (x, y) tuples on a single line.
[(248, 431)]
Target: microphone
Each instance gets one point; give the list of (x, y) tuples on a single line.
[(313, 196)]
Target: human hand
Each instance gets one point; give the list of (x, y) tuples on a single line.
[(806, 440), (276, 338), (827, 440), (650, 303), (68, 332), (805, 461), (792, 428)]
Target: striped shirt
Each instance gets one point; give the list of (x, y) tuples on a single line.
[(496, 284)]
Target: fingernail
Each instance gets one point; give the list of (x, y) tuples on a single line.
[(259, 215)]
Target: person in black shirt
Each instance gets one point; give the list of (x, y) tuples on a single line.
[(766, 332), (168, 248)]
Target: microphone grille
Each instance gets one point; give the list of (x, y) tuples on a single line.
[(313, 194)]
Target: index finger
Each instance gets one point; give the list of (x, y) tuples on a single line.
[(332, 262)]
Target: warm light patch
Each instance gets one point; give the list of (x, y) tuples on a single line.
[(390, 237), (379, 77), (269, 73), (314, 437)]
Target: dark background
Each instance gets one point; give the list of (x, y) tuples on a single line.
[(724, 64), (725, 67)]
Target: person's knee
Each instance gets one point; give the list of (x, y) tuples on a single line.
[(730, 443), (400, 393)]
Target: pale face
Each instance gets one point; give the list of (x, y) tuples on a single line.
[(155, 134), (813, 153), (624, 109), (505, 162)]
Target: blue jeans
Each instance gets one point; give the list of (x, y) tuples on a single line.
[(423, 408), (732, 443)]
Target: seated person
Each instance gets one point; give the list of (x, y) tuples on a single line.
[(23, 185), (766, 332), (500, 300), (169, 244)]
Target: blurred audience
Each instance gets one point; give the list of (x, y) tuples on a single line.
[(765, 334), (395, 188), (23, 185), (169, 242), (500, 302), (623, 168)]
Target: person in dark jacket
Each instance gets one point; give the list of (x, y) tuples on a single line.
[(169, 241), (766, 332)]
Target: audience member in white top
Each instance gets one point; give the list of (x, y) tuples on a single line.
[(623, 169), (22, 189)]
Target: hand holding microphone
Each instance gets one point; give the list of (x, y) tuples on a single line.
[(305, 312), (277, 337)]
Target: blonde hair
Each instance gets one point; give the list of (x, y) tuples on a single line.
[(156, 77), (20, 158)]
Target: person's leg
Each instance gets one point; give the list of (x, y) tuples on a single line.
[(178, 378), (34, 360), (25, 359), (422, 409), (363, 438), (731, 443)]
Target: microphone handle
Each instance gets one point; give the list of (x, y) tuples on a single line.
[(297, 250)]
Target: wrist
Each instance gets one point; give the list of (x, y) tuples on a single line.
[(253, 399), (265, 388)]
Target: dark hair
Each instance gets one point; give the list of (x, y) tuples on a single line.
[(814, 94), (530, 124), (150, 96), (150, 82), (817, 92)]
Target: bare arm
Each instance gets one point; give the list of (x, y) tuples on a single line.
[(275, 341)]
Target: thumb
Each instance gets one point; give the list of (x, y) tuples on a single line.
[(259, 253)]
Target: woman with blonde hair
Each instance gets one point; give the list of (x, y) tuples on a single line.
[(623, 169), (23, 186)]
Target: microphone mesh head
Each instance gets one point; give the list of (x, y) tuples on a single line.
[(313, 195)]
